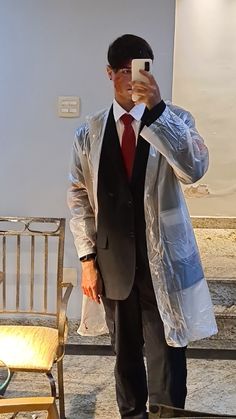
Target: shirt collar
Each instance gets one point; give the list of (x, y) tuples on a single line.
[(136, 111)]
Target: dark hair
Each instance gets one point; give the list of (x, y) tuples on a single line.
[(127, 47)]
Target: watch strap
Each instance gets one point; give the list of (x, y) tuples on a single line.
[(90, 256)]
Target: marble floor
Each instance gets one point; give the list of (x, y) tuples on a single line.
[(90, 394)]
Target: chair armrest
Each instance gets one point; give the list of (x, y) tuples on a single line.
[(62, 313)]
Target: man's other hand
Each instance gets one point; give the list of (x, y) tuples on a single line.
[(91, 281)]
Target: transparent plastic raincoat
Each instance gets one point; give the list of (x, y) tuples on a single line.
[(177, 153)]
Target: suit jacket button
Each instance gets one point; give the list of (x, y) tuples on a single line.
[(131, 234), (130, 203)]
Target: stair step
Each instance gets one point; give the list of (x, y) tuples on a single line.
[(223, 290), (222, 311), (226, 336), (214, 343), (226, 321)]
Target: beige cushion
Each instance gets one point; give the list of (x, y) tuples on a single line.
[(31, 348)]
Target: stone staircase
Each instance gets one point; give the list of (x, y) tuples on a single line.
[(216, 237)]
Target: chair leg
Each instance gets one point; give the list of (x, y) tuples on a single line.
[(61, 389)]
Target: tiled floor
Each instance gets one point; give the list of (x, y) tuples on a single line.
[(90, 394)]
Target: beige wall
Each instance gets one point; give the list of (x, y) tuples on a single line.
[(205, 83)]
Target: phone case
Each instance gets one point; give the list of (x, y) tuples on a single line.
[(140, 64)]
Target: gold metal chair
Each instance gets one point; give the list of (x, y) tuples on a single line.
[(32, 287), (30, 404)]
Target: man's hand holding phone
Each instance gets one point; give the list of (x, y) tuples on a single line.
[(145, 87)]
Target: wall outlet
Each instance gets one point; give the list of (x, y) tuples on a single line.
[(70, 275)]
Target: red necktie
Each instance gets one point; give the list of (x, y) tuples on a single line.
[(128, 143)]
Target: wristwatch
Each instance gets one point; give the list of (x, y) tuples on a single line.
[(90, 256)]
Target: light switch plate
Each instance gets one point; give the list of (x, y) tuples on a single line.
[(68, 106)]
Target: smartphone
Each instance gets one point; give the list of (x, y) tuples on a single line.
[(140, 64)]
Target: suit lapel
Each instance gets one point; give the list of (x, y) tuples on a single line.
[(111, 160), (141, 156)]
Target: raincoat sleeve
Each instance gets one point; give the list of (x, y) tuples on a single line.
[(175, 136), (82, 223)]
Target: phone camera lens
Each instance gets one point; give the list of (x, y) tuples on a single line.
[(147, 66)]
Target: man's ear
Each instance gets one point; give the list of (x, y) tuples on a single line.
[(109, 72)]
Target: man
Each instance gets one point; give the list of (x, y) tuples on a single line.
[(134, 236)]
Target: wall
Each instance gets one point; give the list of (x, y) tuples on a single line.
[(51, 48), (205, 83)]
